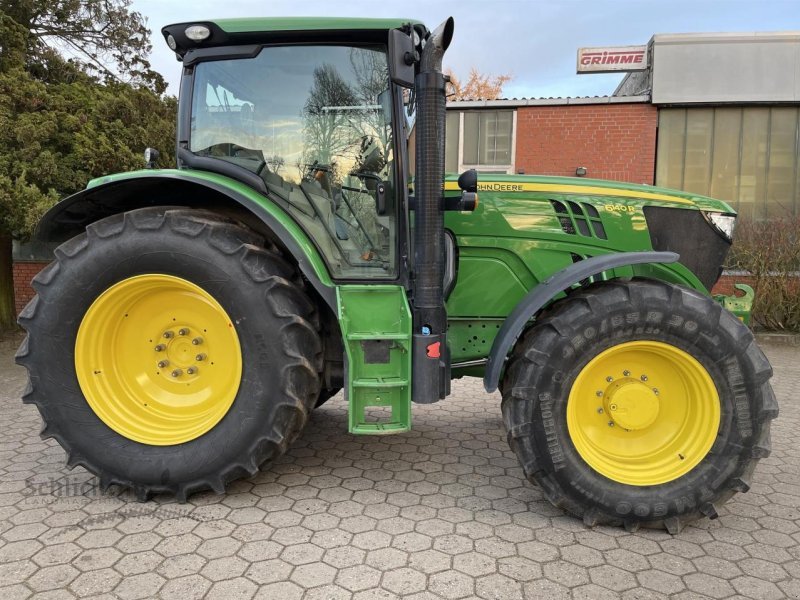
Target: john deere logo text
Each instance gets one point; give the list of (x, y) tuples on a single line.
[(499, 187)]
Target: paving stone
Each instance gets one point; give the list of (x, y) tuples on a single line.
[(97, 582), (452, 585), (360, 577), (219, 569), (134, 587), (138, 563), (659, 581), (713, 587), (314, 574), (612, 578), (404, 581), (188, 587), (240, 589), (385, 559), (474, 564), (51, 578)]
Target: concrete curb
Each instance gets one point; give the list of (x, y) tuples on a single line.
[(778, 338)]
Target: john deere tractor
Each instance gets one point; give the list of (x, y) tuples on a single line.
[(310, 241)]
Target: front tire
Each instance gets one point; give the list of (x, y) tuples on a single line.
[(638, 403), (170, 350)]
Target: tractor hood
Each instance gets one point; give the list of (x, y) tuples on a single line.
[(594, 188)]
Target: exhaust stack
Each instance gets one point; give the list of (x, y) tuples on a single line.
[(431, 361)]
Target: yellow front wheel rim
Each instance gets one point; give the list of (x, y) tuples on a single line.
[(158, 359), (643, 413)]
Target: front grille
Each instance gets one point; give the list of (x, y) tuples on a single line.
[(579, 218), (701, 247)]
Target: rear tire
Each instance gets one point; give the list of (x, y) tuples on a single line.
[(556, 449), (258, 291)]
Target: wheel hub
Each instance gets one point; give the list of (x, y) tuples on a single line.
[(178, 358), (631, 404)]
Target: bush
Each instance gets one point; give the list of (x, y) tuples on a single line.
[(770, 252)]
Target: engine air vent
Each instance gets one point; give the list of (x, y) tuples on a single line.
[(579, 218)]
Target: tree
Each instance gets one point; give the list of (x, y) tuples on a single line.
[(66, 120), (479, 86), (105, 36), (325, 116)]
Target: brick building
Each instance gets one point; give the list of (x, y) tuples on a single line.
[(610, 137)]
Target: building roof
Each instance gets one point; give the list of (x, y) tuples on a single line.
[(559, 101)]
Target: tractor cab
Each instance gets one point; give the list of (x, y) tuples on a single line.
[(313, 118)]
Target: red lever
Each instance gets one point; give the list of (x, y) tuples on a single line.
[(434, 350)]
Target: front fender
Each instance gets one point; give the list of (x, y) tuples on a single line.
[(543, 293), (197, 189)]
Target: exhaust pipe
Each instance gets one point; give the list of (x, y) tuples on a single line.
[(431, 360)]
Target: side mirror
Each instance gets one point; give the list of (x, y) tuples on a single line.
[(402, 58), (468, 181), (151, 157)]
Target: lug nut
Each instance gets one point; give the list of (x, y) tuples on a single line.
[(611, 423), (177, 373), (655, 391), (191, 370), (644, 378), (609, 379), (599, 393), (600, 411), (163, 363), (200, 357), (168, 334), (626, 373), (197, 341), (183, 331), (160, 348)]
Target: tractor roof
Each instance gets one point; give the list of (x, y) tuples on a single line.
[(276, 24), (259, 30)]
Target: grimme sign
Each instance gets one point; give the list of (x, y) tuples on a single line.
[(611, 59)]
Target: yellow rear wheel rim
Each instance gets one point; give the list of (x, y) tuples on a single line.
[(158, 359), (643, 413)]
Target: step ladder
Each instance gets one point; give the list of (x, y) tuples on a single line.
[(376, 326)]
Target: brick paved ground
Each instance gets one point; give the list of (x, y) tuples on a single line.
[(441, 512)]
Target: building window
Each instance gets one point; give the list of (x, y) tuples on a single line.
[(487, 138), (480, 139), (453, 135), (748, 157)]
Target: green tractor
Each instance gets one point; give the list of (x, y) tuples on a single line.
[(309, 241)]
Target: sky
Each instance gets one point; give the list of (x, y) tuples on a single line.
[(534, 41)]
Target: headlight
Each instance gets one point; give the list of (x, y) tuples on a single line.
[(723, 223), (197, 33)]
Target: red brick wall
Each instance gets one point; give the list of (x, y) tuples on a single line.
[(23, 273), (613, 141)]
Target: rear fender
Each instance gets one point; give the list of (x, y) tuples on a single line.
[(196, 189)]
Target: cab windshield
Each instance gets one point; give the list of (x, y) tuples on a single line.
[(314, 122)]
